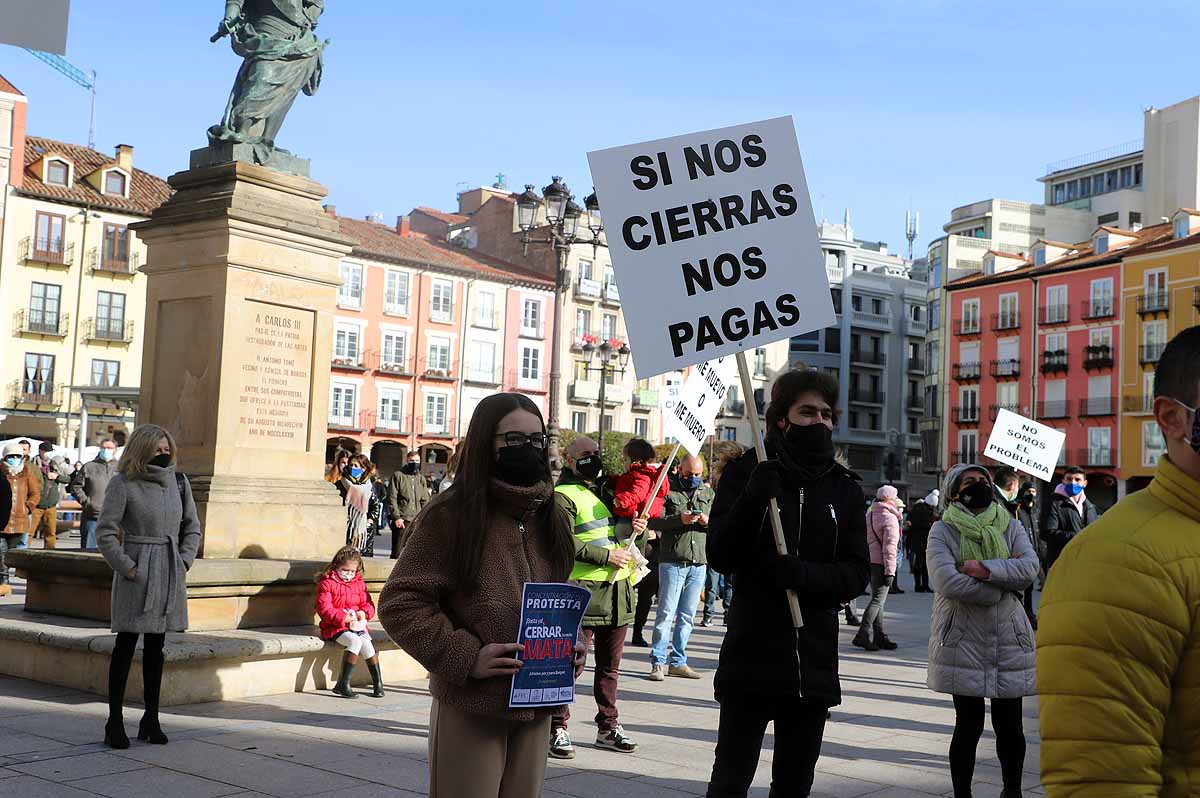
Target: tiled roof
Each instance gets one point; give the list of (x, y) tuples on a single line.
[(8, 88), (1059, 244), (442, 216), (1116, 231), (1000, 254), (146, 192), (381, 241)]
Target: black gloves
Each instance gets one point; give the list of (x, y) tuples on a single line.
[(766, 481)]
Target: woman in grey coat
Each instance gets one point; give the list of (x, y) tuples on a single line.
[(149, 534), (981, 644)]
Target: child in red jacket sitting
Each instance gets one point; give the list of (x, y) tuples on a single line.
[(345, 607), (631, 494)]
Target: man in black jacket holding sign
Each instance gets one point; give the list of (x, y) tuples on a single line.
[(770, 671)]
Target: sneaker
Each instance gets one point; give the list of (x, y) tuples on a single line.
[(885, 643), (657, 673), (615, 740), (560, 745), (683, 672), (639, 641), (862, 640), (705, 622)]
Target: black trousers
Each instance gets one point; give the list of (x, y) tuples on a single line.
[(152, 671), (920, 571), (1009, 727), (647, 589), (799, 729)]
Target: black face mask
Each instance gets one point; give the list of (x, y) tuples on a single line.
[(412, 468), (162, 460), (589, 467), (522, 465), (976, 496), (809, 443), (1027, 500)]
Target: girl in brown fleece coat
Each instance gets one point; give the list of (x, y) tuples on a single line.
[(454, 602)]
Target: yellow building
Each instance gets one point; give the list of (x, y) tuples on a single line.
[(70, 288), (1160, 298)]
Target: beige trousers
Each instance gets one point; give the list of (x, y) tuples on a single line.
[(475, 756)]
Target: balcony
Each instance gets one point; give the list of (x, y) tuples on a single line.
[(486, 321), (967, 326), (46, 252), (1006, 321), (395, 368), (349, 301), (351, 361), (868, 358), (864, 396), (349, 422), (612, 295), (1056, 314), (537, 383), (39, 394), (398, 308), (1153, 302), (122, 264), (878, 320), (645, 399), (588, 391), (1010, 367), (735, 408), (482, 375), (438, 369), (536, 331), (915, 404), (1096, 457), (1098, 308), (1055, 362), (116, 331), (915, 327), (384, 425), (1097, 357), (965, 415), (994, 410), (1091, 406), (442, 315), (587, 290), (916, 365), (963, 457), (1137, 404), (1054, 409), (40, 322), (436, 427), (1150, 353), (967, 372)]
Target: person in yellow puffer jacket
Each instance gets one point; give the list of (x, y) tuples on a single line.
[(1118, 649)]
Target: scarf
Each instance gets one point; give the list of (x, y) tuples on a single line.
[(358, 504), (1078, 501), (807, 466), (981, 537)]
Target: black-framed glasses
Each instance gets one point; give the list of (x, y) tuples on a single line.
[(537, 440)]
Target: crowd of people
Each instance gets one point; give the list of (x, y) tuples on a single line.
[(1114, 664)]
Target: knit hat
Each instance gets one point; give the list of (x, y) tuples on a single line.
[(13, 448), (886, 493), (955, 475), (933, 498)]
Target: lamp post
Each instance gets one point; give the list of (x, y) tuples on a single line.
[(606, 367), (561, 228)]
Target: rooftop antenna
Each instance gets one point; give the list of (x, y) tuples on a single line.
[(912, 229), (78, 76)]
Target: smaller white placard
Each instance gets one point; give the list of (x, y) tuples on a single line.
[(36, 24), (1025, 445), (690, 414)]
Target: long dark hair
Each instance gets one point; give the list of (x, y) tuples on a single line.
[(469, 496)]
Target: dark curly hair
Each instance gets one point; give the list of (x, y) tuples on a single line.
[(791, 385)]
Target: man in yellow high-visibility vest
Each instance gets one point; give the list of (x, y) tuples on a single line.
[(602, 565)]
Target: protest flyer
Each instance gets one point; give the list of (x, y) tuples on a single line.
[(551, 615)]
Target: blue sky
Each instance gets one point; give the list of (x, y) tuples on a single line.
[(929, 102)]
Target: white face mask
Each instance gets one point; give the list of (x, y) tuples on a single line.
[(347, 575)]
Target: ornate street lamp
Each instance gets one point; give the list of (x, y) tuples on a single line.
[(606, 369)]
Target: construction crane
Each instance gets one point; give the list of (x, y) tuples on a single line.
[(75, 74)]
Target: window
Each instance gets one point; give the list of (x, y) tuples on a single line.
[(914, 313), (48, 239), (1056, 304), (114, 253), (1137, 174), (641, 427), (343, 402), (608, 327), (347, 345), (483, 361), (391, 410), (578, 419), (395, 351), (1156, 283), (581, 371), (39, 375), (968, 353), (350, 292), (1101, 244), (114, 183), (106, 373), (968, 403), (530, 364), (607, 422), (833, 340), (1099, 446), (110, 314), (531, 318), (585, 269), (1135, 218), (727, 433), (760, 362), (1100, 337), (877, 307), (913, 428), (1154, 445), (1126, 176), (485, 310), (809, 342), (935, 314), (1098, 184), (1056, 342), (583, 323), (1099, 394), (610, 277), (854, 423), (968, 447), (1008, 311), (1101, 303), (439, 355), (935, 270), (1182, 227), (933, 358), (1007, 397), (970, 315), (435, 413), (441, 300), (836, 295), (57, 173), (395, 295), (856, 302), (44, 302), (873, 421), (1154, 335)]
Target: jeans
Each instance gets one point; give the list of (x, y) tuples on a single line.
[(607, 643), (647, 589), (6, 542), (873, 617), (715, 585), (679, 589), (799, 729), (1008, 725), (87, 534)]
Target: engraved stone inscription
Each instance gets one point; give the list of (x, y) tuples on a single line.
[(274, 377)]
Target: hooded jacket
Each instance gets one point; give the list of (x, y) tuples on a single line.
[(26, 490), (335, 596), (883, 535), (1064, 521), (1119, 650), (632, 492), (89, 485)]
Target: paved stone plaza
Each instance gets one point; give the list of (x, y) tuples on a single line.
[(888, 739)]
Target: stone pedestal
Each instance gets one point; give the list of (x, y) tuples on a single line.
[(242, 274)]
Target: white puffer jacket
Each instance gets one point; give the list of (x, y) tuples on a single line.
[(980, 641)]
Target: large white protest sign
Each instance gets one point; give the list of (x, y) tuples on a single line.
[(713, 243), (690, 415), (36, 24), (1025, 445)]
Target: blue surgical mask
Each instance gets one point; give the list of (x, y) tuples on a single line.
[(14, 461), (106, 454), (356, 472), (692, 483), (1074, 489)]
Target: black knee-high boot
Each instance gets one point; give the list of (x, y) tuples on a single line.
[(342, 688), (376, 679), (118, 675), (152, 672)]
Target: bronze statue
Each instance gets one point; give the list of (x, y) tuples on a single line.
[(282, 57)]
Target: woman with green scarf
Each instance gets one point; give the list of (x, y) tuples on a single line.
[(981, 644)]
